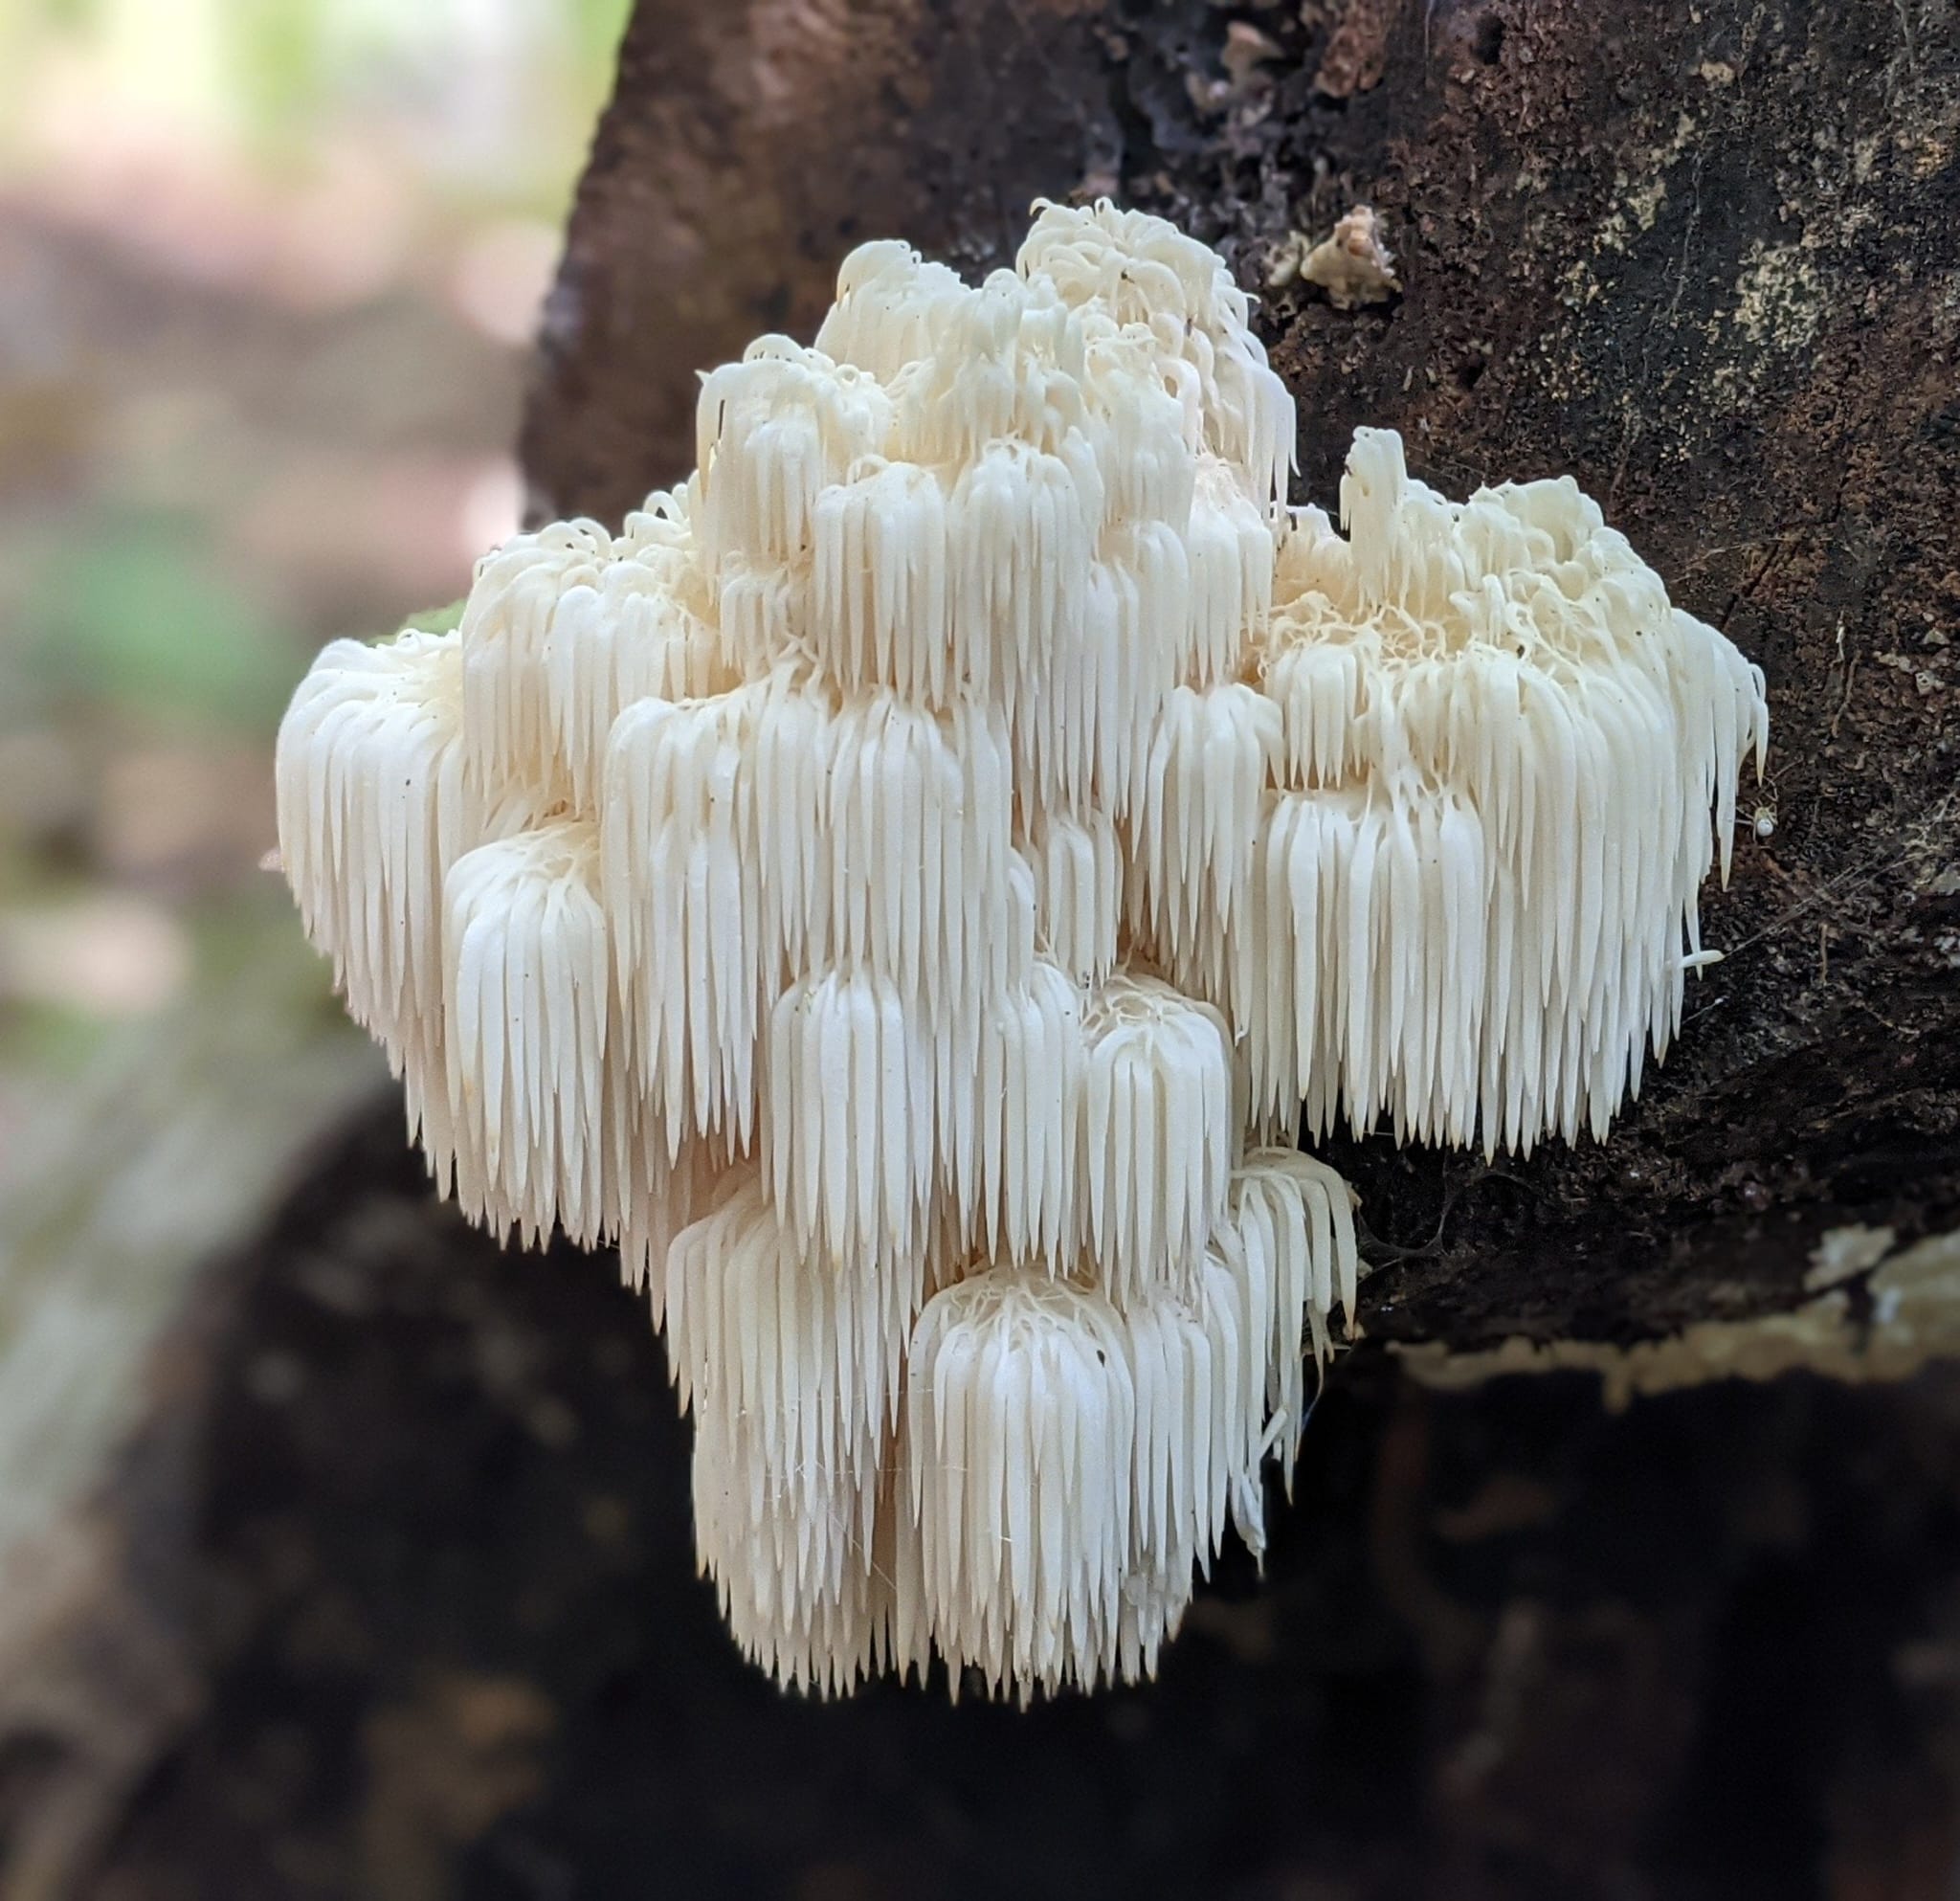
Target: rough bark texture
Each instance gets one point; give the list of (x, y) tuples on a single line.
[(1509, 1642)]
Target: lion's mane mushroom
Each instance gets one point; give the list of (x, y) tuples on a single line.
[(1469, 898), (888, 884)]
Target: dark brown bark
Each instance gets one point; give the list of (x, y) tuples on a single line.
[(1508, 1642)]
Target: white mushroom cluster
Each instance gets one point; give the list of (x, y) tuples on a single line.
[(1468, 897), (904, 886)]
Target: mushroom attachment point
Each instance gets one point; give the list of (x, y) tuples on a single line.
[(905, 887)]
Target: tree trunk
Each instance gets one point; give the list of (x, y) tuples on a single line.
[(1673, 1611)]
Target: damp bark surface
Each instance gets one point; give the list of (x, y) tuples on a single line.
[(437, 1585)]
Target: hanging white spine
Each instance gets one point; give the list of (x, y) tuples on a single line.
[(1019, 1428), (1157, 1131), (374, 803), (528, 975), (680, 882)]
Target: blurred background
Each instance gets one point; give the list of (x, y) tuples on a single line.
[(267, 273)]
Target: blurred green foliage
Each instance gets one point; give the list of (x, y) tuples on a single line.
[(438, 619), (281, 60), (147, 622), (273, 70)]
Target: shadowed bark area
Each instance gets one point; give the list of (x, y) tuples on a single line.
[(1510, 1642), (1507, 1644)]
